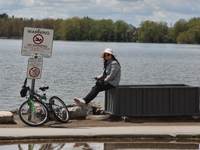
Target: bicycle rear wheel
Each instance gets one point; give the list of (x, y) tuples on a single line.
[(33, 113), (59, 109)]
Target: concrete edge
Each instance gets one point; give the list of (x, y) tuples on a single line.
[(135, 136)]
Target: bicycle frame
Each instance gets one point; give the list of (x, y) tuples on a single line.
[(34, 96)]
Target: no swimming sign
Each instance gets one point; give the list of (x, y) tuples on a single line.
[(37, 42), (34, 68)]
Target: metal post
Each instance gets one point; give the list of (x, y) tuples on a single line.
[(33, 81), (32, 85)]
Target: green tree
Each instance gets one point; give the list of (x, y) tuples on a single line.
[(153, 32), (104, 29), (57, 29), (36, 24), (161, 29), (86, 25), (194, 30), (192, 22), (9, 29), (147, 31), (197, 33), (183, 38), (4, 15), (71, 29), (93, 30), (3, 27), (47, 23), (170, 37), (120, 30), (16, 27), (180, 26)]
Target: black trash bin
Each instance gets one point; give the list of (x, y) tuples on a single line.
[(152, 100)]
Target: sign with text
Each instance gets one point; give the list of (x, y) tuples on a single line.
[(37, 42), (34, 70)]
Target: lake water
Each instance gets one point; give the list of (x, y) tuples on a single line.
[(69, 72)]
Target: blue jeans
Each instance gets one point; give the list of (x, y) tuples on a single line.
[(95, 91)]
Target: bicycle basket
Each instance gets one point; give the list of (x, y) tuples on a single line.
[(23, 91)]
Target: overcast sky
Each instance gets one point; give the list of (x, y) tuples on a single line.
[(130, 11)]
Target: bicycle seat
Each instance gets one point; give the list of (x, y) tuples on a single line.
[(44, 88)]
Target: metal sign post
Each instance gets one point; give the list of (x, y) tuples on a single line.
[(37, 42), (32, 86)]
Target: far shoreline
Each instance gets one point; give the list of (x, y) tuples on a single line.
[(21, 38)]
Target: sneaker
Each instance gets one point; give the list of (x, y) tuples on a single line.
[(80, 102)]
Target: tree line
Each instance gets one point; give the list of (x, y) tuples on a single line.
[(79, 29), (74, 29), (182, 32)]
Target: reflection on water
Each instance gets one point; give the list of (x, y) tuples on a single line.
[(104, 145), (55, 146)]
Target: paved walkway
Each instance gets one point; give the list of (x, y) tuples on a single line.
[(101, 132)]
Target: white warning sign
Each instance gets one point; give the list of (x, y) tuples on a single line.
[(34, 70), (37, 42)]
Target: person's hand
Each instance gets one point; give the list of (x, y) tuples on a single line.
[(96, 78)]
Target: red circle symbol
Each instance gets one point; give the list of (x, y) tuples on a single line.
[(38, 39), (34, 72)]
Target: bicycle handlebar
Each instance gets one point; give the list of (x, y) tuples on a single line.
[(44, 88), (25, 81), (41, 88)]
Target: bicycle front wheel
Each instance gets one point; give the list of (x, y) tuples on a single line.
[(33, 113), (59, 109)]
